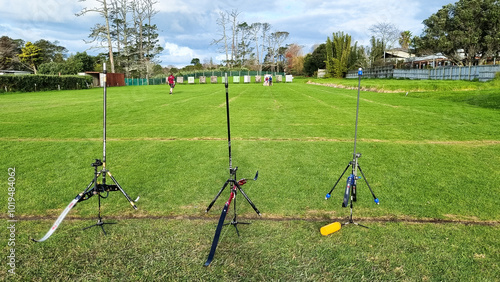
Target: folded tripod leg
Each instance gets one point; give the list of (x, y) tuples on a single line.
[(375, 199), (218, 194), (132, 202), (329, 193), (248, 199)]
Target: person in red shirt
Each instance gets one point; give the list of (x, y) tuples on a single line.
[(171, 82)]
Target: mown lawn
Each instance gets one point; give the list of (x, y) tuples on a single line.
[(431, 157)]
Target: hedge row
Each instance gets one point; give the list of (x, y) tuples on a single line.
[(31, 83)]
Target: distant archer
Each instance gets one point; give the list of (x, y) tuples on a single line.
[(171, 82)]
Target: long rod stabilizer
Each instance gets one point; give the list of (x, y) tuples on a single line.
[(228, 126)]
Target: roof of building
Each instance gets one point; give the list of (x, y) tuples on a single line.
[(14, 72), (437, 56), (398, 53)]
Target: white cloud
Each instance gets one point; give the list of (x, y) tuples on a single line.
[(188, 26), (176, 55), (175, 50), (36, 12), (220, 58)]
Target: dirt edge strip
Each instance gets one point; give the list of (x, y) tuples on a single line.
[(275, 218), (305, 139), (373, 89)]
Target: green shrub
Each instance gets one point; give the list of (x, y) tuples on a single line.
[(497, 76), (31, 83)]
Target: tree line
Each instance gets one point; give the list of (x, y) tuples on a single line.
[(466, 32), (43, 57), (127, 34)]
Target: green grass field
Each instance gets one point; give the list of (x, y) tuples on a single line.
[(432, 157)]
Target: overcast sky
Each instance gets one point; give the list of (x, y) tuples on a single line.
[(187, 27)]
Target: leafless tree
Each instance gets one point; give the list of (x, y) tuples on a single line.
[(233, 17), (103, 10), (222, 22), (387, 32)]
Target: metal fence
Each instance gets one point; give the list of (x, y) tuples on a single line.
[(197, 75), (229, 73), (144, 81), (377, 72), (481, 73)]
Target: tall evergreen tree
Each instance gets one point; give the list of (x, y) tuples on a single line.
[(8, 53), (31, 55), (316, 60), (376, 52), (338, 51), (464, 31), (405, 38)]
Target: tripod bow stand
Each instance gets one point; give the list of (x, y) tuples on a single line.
[(94, 187), (235, 187), (352, 179)]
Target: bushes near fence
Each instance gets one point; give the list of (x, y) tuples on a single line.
[(31, 83)]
